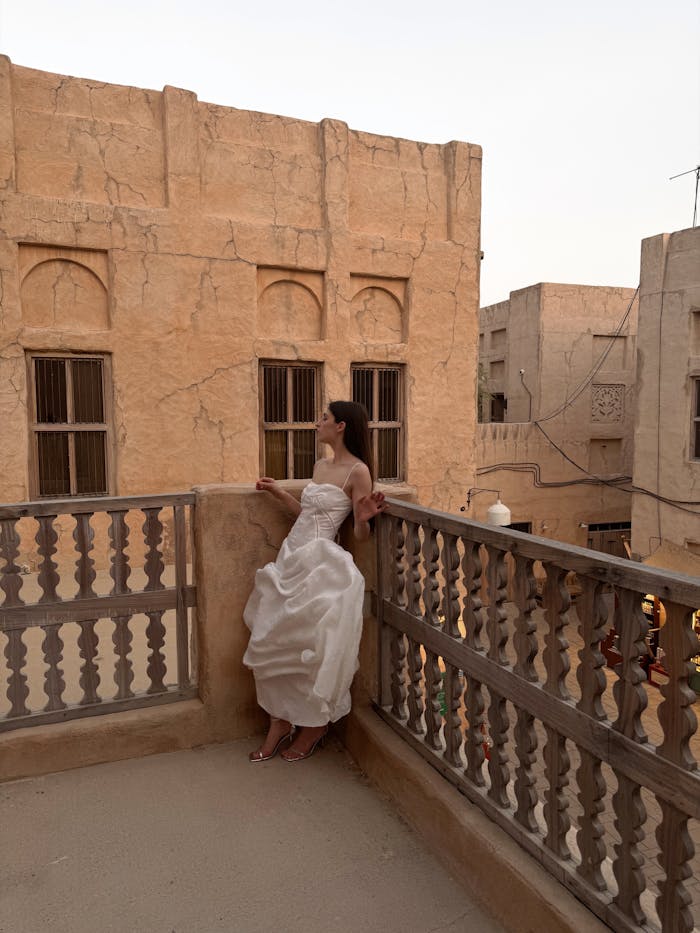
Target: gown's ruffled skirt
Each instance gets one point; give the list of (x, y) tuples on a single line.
[(305, 617)]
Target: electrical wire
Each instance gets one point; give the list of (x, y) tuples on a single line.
[(674, 503), (539, 483), (622, 483)]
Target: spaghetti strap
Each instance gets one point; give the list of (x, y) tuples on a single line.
[(348, 476)]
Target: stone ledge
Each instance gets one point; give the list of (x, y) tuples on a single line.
[(93, 740), (476, 851)]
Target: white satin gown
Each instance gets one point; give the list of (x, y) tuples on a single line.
[(305, 616)]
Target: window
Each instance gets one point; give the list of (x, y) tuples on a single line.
[(380, 390), (695, 436), (499, 407), (70, 432), (290, 409), (521, 526)]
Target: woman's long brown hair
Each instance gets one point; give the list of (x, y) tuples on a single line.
[(356, 437)]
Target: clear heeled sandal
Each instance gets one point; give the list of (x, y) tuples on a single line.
[(257, 755)]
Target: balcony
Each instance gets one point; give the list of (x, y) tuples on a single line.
[(488, 717)]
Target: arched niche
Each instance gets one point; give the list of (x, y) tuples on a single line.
[(61, 293), (289, 310), (378, 315)]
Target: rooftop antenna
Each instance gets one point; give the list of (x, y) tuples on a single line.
[(691, 171)]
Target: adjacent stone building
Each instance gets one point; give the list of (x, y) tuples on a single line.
[(557, 367), (184, 286), (666, 509)]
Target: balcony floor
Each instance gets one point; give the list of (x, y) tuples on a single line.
[(199, 841)]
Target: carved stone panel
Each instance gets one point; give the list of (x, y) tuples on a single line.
[(64, 288), (378, 310), (608, 403), (290, 304)]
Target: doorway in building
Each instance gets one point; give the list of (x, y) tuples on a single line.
[(609, 537)]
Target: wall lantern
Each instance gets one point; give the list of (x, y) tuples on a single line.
[(498, 514)]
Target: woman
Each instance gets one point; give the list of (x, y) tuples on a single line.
[(305, 613)]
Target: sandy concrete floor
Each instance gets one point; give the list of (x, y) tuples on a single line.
[(202, 841)]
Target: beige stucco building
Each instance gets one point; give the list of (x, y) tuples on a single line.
[(557, 370), (185, 285), (667, 432)]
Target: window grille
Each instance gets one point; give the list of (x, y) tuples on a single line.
[(380, 390), (290, 409), (69, 427)]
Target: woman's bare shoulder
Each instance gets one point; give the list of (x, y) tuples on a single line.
[(360, 477)]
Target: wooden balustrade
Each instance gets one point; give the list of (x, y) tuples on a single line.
[(74, 621), (482, 688)]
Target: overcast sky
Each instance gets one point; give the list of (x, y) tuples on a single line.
[(583, 110)]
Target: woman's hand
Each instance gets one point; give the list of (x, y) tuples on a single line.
[(267, 484), (368, 507)]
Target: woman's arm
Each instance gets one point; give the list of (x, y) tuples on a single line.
[(267, 484), (365, 503)]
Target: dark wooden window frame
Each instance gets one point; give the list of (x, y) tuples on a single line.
[(695, 424), (70, 427), (289, 426), (375, 424)]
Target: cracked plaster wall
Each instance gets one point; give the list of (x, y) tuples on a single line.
[(186, 202), (556, 333), (669, 361)]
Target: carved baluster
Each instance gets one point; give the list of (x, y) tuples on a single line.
[(473, 614), (476, 732), (450, 593), (497, 630), (431, 553), (630, 812), (119, 572), (591, 835), (630, 815), (83, 535), (453, 722), (676, 850), (525, 734), (415, 659), (17, 689), (473, 622), (397, 641), (433, 675), (181, 611), (453, 681), (628, 690), (556, 605), (676, 715), (679, 723), (10, 580), (54, 684), (590, 673), (496, 624), (592, 615), (119, 539), (556, 769), (383, 595), (123, 673), (156, 668), (525, 637), (153, 536), (525, 784), (89, 676), (48, 579)]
